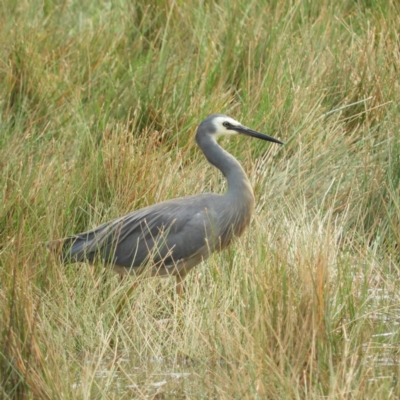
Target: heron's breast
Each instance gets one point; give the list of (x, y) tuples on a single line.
[(236, 218)]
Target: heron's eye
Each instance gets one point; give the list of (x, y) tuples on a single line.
[(226, 124)]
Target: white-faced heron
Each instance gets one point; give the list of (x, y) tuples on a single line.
[(172, 237)]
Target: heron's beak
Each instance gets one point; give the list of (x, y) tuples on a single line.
[(249, 132)]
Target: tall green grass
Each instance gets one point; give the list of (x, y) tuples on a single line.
[(99, 102)]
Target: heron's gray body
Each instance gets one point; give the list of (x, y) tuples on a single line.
[(157, 235), (171, 237)]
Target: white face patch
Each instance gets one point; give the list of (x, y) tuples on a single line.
[(221, 130)]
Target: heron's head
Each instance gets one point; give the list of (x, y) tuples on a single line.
[(218, 125)]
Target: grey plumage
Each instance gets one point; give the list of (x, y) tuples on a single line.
[(171, 237)]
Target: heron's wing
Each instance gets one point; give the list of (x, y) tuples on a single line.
[(165, 232), (175, 232)]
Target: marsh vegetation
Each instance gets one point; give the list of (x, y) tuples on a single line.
[(99, 102)]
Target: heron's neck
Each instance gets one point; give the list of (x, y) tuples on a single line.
[(238, 183)]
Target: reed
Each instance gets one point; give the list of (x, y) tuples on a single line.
[(99, 102)]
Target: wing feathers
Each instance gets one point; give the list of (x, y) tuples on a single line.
[(165, 232)]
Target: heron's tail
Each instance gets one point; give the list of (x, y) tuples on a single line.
[(85, 246), (71, 249)]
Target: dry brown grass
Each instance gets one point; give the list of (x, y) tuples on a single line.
[(99, 103)]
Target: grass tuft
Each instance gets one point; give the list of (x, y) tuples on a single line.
[(98, 107)]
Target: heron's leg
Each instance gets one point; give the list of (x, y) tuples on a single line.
[(180, 284), (124, 299)]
